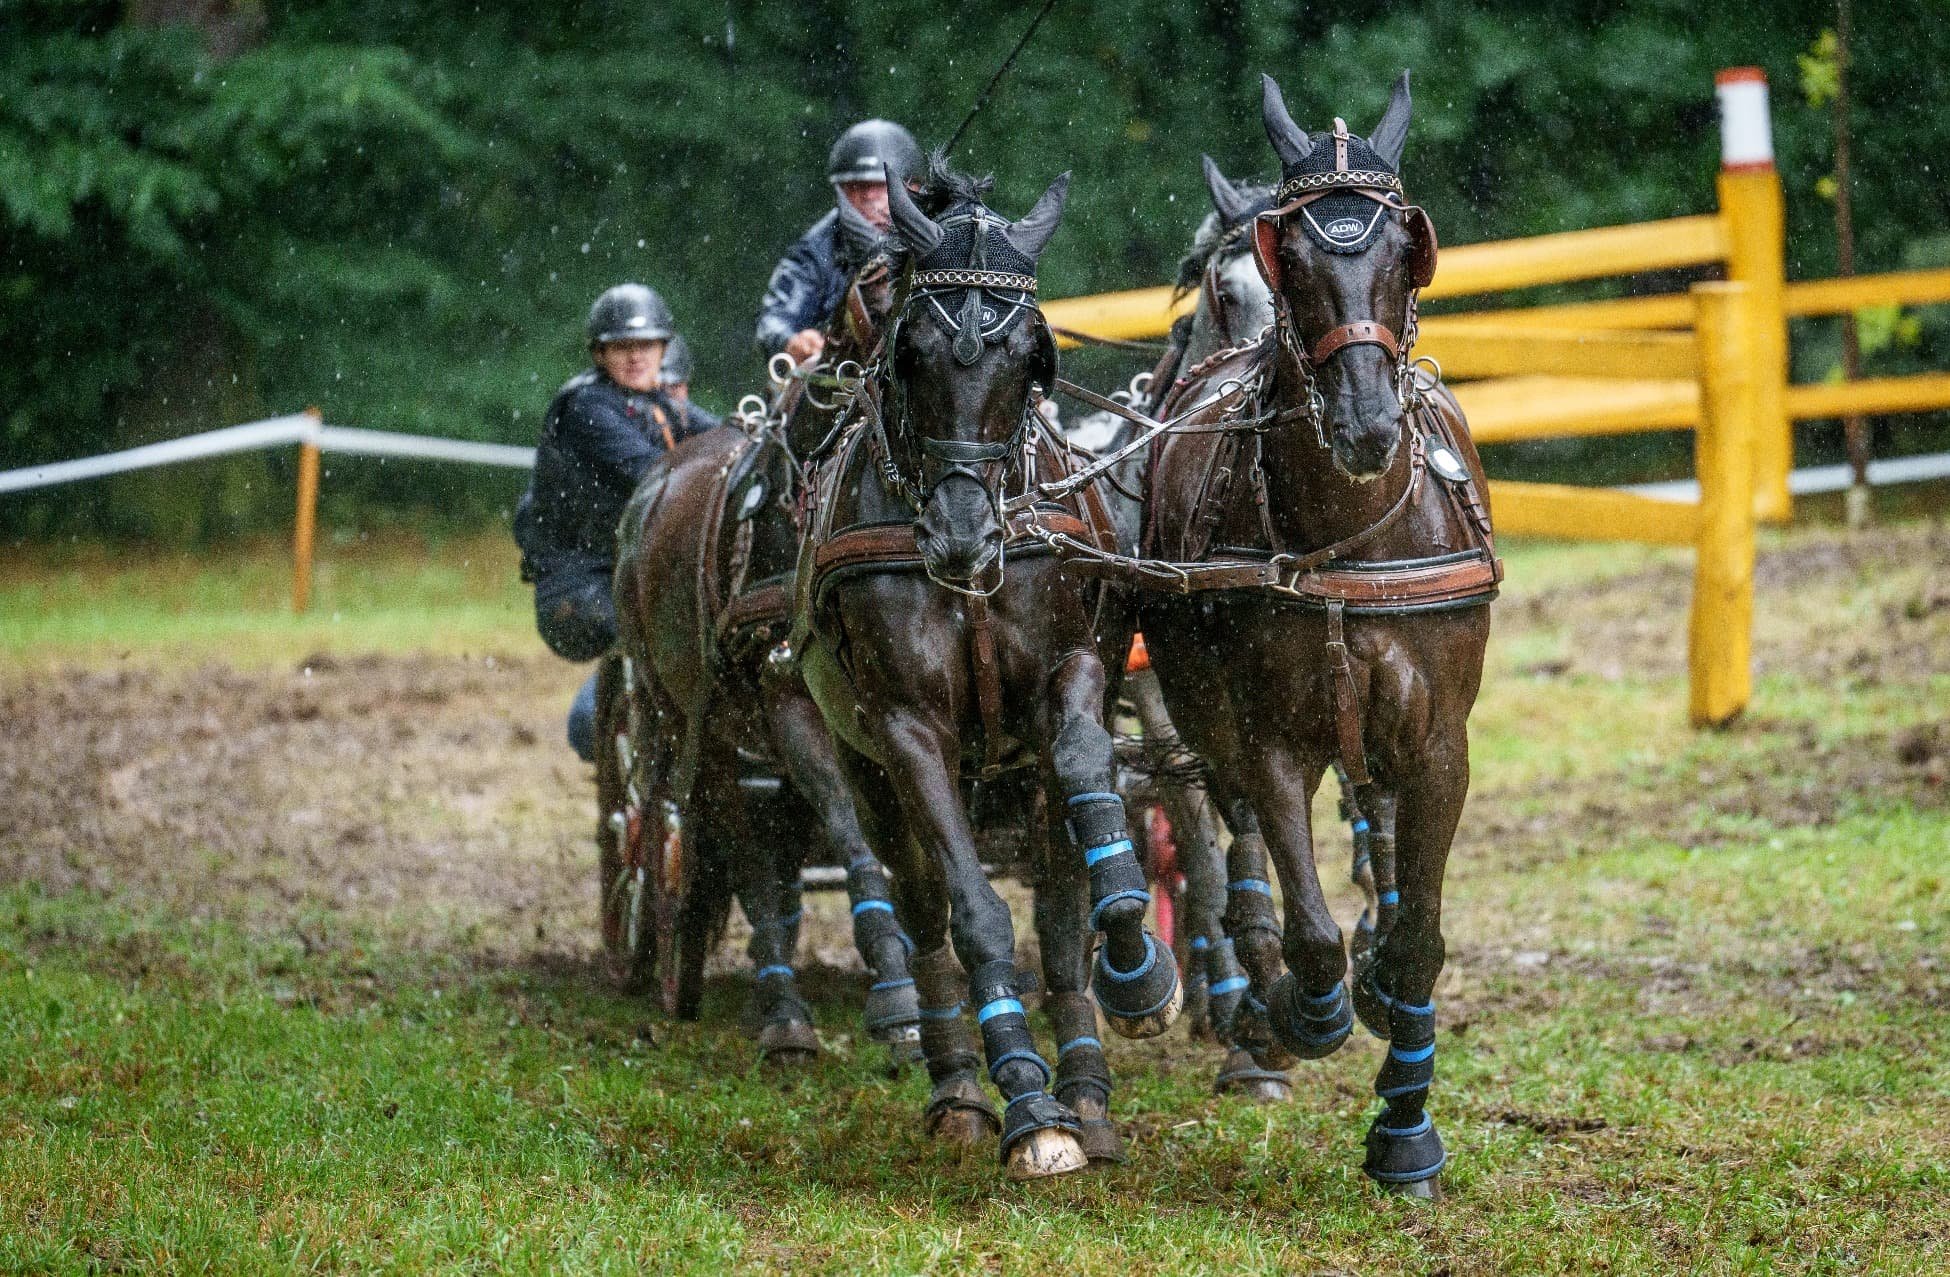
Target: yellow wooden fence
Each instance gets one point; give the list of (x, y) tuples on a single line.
[(1713, 360)]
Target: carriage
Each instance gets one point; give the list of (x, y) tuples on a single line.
[(947, 595)]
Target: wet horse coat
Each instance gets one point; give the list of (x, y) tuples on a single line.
[(1316, 627)]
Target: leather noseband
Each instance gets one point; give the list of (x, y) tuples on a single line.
[(1362, 332)]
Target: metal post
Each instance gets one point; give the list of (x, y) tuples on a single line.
[(1720, 638), (1756, 226), (306, 523)]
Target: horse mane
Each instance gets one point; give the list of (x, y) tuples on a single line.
[(1213, 236), (947, 187)]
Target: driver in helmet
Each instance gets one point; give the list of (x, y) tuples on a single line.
[(604, 429), (809, 282)]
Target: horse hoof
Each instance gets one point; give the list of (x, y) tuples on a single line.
[(1251, 1034), (1099, 1137), (964, 1128), (1242, 1077), (790, 1042), (1262, 1089), (1046, 1153), (959, 1113), (1422, 1190)]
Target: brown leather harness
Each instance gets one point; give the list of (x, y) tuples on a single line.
[(830, 555), (1323, 578)]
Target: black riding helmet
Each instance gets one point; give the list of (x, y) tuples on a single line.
[(863, 150), (677, 362), (630, 312)]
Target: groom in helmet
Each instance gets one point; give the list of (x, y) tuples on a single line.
[(810, 280), (605, 427)]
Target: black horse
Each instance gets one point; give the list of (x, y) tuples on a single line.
[(703, 595), (940, 645), (1333, 608)]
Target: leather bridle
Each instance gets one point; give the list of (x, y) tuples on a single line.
[(1294, 196), (991, 305)]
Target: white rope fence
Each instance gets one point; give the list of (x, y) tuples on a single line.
[(273, 432)]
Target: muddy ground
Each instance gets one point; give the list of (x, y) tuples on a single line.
[(434, 796)]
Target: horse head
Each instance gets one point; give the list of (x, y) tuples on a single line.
[(1344, 255), (968, 345), (1234, 304)]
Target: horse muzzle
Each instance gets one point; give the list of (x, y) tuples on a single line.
[(958, 534)]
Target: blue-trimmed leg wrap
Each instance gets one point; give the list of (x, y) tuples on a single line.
[(1015, 1066), (1249, 907), (1309, 1025), (1096, 823), (1410, 1067), (945, 1039), (1082, 1074), (1226, 984), (1080, 1062)]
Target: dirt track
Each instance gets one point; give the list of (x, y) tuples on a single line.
[(434, 795)]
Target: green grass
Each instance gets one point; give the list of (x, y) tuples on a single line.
[(68, 604), (1694, 1017)]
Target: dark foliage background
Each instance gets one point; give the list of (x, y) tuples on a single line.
[(215, 210)]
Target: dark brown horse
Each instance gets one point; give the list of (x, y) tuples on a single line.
[(703, 599), (941, 646), (1338, 556)]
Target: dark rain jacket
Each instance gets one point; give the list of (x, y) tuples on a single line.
[(806, 287), (597, 441)]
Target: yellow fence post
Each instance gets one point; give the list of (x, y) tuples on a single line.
[(1751, 205), (305, 526), (1721, 632)]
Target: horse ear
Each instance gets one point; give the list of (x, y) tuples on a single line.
[(1391, 134), (1289, 141), (915, 228), (1032, 233), (1225, 197), (858, 236)]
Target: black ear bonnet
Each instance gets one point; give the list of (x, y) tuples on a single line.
[(1340, 194), (1339, 221), (977, 285)]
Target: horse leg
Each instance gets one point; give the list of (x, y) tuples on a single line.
[(1403, 1149), (958, 1110), (1243, 966), (1370, 816), (1220, 916), (1194, 830), (1082, 1073), (785, 1034), (1136, 978), (893, 1014), (611, 802), (1376, 878), (1039, 1135), (1307, 1009)]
